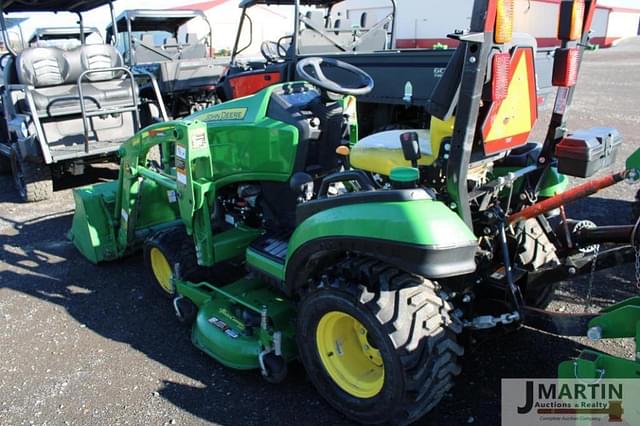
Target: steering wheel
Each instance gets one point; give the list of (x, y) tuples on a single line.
[(365, 84), (272, 51)]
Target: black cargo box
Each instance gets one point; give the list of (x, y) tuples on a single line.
[(583, 153)]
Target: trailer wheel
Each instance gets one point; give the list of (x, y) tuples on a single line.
[(378, 344), (33, 181)]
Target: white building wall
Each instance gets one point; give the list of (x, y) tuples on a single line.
[(623, 24), (600, 23)]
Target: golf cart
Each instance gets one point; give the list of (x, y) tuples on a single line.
[(62, 109), (404, 78), (165, 43), (264, 226), (64, 37)]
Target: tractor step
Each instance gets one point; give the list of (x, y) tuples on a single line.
[(272, 246)]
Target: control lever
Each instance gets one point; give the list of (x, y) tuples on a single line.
[(411, 147)]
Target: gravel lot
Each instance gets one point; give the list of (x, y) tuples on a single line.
[(85, 344)]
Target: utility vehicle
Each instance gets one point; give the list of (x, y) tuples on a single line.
[(166, 44), (404, 78), (264, 225), (62, 109)]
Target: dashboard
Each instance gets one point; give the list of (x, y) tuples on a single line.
[(296, 95)]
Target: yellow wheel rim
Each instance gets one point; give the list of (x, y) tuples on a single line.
[(161, 269), (348, 356)]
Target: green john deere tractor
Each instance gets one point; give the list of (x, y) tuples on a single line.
[(280, 237), (256, 183)]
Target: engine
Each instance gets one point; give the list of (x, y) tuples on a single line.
[(239, 204)]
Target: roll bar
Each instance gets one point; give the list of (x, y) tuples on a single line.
[(77, 8)]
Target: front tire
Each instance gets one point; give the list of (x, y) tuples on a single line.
[(161, 253), (33, 181), (378, 344)]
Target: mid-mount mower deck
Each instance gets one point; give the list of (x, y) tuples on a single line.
[(277, 238)]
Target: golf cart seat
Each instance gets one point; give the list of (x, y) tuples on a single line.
[(53, 74), (171, 47), (144, 54), (372, 41), (192, 48)]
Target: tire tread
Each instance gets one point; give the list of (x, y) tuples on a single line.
[(416, 317)]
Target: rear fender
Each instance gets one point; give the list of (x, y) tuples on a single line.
[(422, 237)]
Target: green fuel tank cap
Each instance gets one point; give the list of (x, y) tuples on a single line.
[(404, 177)]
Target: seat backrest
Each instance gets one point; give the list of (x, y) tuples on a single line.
[(145, 54), (194, 49), (148, 39), (312, 43), (191, 38), (372, 41), (97, 56), (171, 42), (50, 66), (42, 66), (171, 46)]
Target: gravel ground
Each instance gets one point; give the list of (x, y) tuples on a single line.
[(85, 344)]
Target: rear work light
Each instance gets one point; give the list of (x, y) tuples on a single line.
[(571, 20), (500, 73), (565, 67), (504, 21)]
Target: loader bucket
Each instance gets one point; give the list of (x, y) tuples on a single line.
[(92, 229)]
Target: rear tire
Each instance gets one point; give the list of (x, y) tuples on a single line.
[(33, 181), (378, 344)]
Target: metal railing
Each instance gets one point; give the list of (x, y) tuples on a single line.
[(102, 111)]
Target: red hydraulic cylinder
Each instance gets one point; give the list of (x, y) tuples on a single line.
[(583, 190)]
